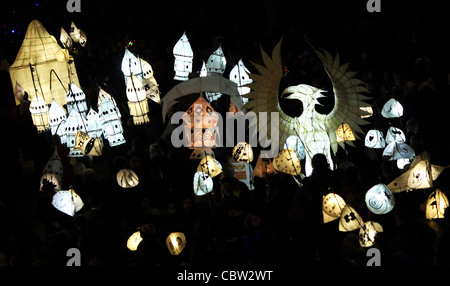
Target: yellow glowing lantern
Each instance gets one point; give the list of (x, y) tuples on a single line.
[(127, 178), (77, 35), (176, 241), (436, 204), (36, 64), (134, 240), (80, 139), (350, 219), (137, 101), (65, 39), (243, 152), (263, 167), (210, 166), (368, 232), (40, 114), (368, 110), (287, 162), (344, 133), (332, 206)]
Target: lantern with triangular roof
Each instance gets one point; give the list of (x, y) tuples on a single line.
[(184, 55)]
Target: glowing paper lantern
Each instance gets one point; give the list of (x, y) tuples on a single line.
[(243, 152), (374, 139), (379, 199), (93, 124), (111, 123), (65, 39), (332, 206), (130, 64), (368, 110), (53, 172), (35, 66), (203, 184), (77, 35), (88, 146), (436, 204), (210, 166), (287, 162), (137, 101), (240, 75), (150, 85), (40, 114), (263, 167), (200, 153), (75, 122), (344, 133), (62, 56), (215, 66), (402, 162), (58, 118), (395, 134), (67, 202), (127, 178), (134, 240), (76, 99), (296, 143), (203, 72), (176, 241), (392, 109), (184, 55), (397, 150), (368, 232), (80, 139), (350, 219)]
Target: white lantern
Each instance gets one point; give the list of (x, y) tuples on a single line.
[(287, 162), (131, 64), (217, 62), (184, 55), (203, 184), (392, 109), (402, 162), (397, 150), (210, 166), (332, 207), (134, 240), (436, 205), (40, 114), (76, 99), (374, 139), (395, 134), (368, 232), (176, 241), (127, 178), (67, 202), (58, 118), (350, 219), (111, 124), (243, 152), (137, 101), (379, 199), (203, 71), (240, 75), (296, 143), (93, 124), (75, 122), (53, 172), (150, 85), (65, 39)]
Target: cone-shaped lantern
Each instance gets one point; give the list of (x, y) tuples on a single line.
[(184, 55), (40, 114)]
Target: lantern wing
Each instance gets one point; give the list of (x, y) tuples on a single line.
[(348, 96), (264, 96)]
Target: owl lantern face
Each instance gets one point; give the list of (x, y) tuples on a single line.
[(287, 162), (176, 241), (379, 199), (127, 178), (374, 139), (243, 152)]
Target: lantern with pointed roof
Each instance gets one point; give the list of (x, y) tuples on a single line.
[(184, 55), (130, 64), (76, 99), (40, 114), (111, 123), (240, 75), (137, 101), (75, 122), (93, 124), (215, 66), (53, 172), (392, 109), (58, 117)]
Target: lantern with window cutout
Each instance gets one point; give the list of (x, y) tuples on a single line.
[(395, 134), (67, 202), (374, 139), (215, 66), (379, 199), (287, 162), (210, 166), (350, 219), (240, 75), (176, 241), (437, 203), (53, 172), (127, 178), (137, 101), (263, 167), (332, 206), (203, 184), (184, 55), (76, 100), (58, 118), (112, 128), (75, 122), (392, 109), (368, 232), (243, 152), (93, 124), (344, 133), (40, 114)]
